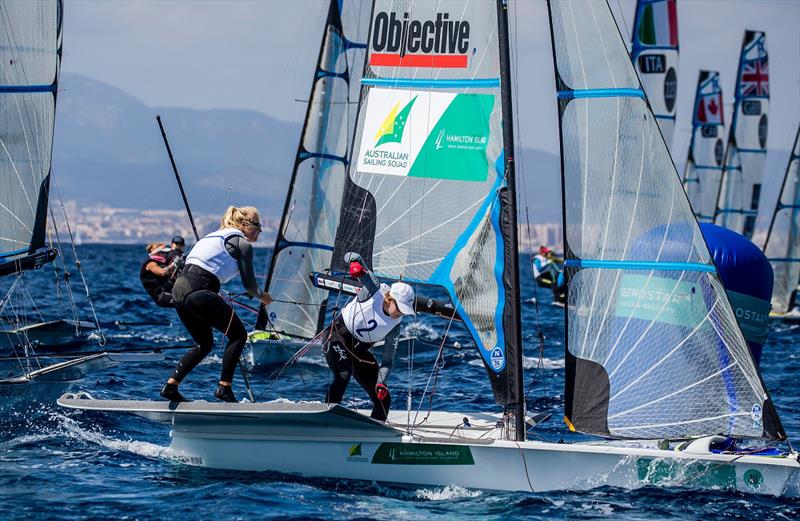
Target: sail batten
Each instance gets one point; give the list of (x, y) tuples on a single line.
[(646, 314)]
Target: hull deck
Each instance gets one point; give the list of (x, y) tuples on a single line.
[(330, 441)]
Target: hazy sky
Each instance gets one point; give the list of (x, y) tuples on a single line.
[(259, 54)]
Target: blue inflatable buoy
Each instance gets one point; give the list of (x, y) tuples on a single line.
[(747, 276)]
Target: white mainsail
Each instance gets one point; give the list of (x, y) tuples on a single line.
[(740, 189), (703, 169), (653, 347), (782, 245), (655, 57)]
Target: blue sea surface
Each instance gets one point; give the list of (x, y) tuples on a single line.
[(62, 464)]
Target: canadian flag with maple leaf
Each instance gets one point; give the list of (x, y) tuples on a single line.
[(709, 109)]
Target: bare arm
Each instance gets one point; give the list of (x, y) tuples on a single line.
[(157, 270)]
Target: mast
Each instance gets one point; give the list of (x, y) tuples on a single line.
[(508, 199)]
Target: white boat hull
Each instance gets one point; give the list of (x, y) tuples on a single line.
[(318, 440)]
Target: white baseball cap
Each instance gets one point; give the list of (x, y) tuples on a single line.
[(403, 294)]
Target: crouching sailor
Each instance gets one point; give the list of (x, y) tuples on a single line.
[(156, 274), (214, 260), (373, 315)]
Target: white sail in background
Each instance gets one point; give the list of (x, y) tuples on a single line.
[(782, 246), (703, 169), (311, 213), (740, 189), (653, 347), (655, 57), (30, 45)]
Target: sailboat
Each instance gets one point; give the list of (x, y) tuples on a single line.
[(782, 245), (30, 56), (431, 197), (746, 150), (654, 52), (703, 169)]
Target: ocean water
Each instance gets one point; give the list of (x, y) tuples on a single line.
[(60, 464)]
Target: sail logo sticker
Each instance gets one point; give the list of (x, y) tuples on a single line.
[(498, 359), (404, 42), (438, 135), (755, 415), (354, 453)]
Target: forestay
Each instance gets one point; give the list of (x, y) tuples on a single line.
[(782, 246), (311, 212), (740, 189), (653, 348), (703, 169), (654, 53), (430, 193), (30, 54)]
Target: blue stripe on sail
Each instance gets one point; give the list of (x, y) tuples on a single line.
[(751, 151), (11, 253), (349, 44), (664, 116), (310, 245), (306, 155), (328, 74), (784, 259), (21, 89), (432, 83), (441, 276), (705, 167), (733, 210), (601, 93), (639, 265), (701, 216), (692, 181), (785, 206)]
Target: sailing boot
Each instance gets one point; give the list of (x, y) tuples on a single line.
[(225, 393), (171, 393)]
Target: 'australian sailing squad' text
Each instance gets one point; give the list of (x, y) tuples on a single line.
[(442, 36), (386, 158)]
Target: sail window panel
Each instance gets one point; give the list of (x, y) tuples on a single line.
[(313, 212), (333, 53), (28, 41), (462, 51), (624, 200), (290, 283), (589, 51), (327, 124), (650, 332), (25, 144)]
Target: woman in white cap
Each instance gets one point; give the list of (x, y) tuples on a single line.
[(373, 315)]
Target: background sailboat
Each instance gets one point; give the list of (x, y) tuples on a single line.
[(740, 188), (782, 245), (703, 169), (654, 54)]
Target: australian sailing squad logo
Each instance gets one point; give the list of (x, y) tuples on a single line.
[(401, 41), (441, 135)]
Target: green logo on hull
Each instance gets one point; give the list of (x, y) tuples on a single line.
[(753, 479), (427, 454)]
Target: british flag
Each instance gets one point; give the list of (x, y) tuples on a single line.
[(755, 78)]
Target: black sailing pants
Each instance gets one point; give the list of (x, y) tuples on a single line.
[(202, 309), (347, 358)]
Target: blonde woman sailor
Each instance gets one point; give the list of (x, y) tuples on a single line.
[(373, 315), (215, 259)]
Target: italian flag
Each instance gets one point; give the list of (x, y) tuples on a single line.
[(658, 23)]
